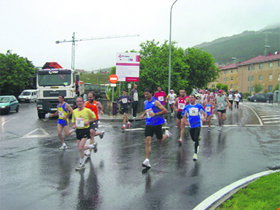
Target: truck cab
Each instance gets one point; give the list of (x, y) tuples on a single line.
[(53, 81)]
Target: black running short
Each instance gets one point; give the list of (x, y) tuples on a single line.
[(94, 125), (124, 110), (150, 130), (83, 133), (222, 111), (230, 101), (179, 115)]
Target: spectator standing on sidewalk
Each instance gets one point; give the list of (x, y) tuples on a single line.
[(134, 98)]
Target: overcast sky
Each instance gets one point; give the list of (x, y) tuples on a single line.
[(30, 28)]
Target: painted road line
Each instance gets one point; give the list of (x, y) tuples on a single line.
[(271, 118), (252, 125), (32, 134), (140, 129), (261, 123), (208, 202), (271, 122)]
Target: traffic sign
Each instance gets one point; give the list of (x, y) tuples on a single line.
[(113, 78)]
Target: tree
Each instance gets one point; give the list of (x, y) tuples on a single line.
[(219, 86), (154, 66), (276, 87), (16, 73), (258, 88), (202, 69)]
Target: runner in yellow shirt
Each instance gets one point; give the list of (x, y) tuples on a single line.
[(81, 119)]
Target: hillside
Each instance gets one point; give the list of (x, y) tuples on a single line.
[(243, 46)]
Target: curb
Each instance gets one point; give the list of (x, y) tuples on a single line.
[(227, 191)]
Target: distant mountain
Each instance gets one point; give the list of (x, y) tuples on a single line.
[(244, 46)]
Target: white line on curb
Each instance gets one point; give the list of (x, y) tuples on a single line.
[(255, 113), (224, 191)]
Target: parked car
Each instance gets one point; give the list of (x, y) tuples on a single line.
[(8, 103), (28, 96), (258, 97)]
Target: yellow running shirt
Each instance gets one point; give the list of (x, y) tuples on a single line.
[(80, 117)]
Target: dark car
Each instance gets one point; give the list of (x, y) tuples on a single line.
[(258, 97), (8, 103)]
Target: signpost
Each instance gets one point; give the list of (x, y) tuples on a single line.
[(127, 67), (113, 79)]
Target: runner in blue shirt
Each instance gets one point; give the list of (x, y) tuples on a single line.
[(154, 111), (191, 117)]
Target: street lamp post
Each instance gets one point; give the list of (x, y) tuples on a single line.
[(169, 69), (279, 90)]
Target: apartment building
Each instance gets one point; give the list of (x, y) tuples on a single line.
[(263, 70)]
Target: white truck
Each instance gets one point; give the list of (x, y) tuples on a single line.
[(53, 81)]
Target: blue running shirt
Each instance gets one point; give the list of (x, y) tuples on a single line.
[(192, 112), (151, 107)]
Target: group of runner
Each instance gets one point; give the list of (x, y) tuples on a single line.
[(190, 110), (84, 121)]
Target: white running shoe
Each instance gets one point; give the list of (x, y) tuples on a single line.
[(168, 133), (80, 167), (101, 135), (180, 142), (87, 153), (146, 163), (63, 147), (195, 157)]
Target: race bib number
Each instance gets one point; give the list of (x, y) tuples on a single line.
[(221, 105), (149, 111), (124, 100), (181, 105), (161, 98), (208, 109), (60, 114), (80, 122), (193, 112)]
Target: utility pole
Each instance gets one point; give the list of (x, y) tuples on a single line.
[(74, 40)]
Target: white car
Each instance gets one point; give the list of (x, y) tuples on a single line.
[(28, 96)]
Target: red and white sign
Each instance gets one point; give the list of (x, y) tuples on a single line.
[(113, 78), (127, 67)]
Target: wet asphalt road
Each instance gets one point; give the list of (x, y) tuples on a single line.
[(36, 175)]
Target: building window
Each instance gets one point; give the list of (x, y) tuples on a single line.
[(270, 88), (253, 88), (252, 78), (249, 78), (251, 67), (260, 77), (261, 66), (270, 77), (225, 79), (231, 86), (231, 78), (270, 65), (249, 89)]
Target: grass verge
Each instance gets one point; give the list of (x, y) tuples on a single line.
[(264, 193)]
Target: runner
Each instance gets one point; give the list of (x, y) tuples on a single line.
[(160, 96), (230, 98), (94, 106), (124, 100), (81, 119), (209, 106), (191, 117), (171, 100), (222, 102), (237, 98), (64, 110), (154, 120)]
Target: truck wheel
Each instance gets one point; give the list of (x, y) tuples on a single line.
[(41, 115)]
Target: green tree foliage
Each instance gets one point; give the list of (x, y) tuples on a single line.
[(220, 86), (258, 88), (202, 68), (191, 70), (276, 87), (154, 66), (15, 73)]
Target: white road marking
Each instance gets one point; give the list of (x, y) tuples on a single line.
[(32, 135), (261, 123)]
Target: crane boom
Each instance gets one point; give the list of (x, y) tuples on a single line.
[(88, 39)]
